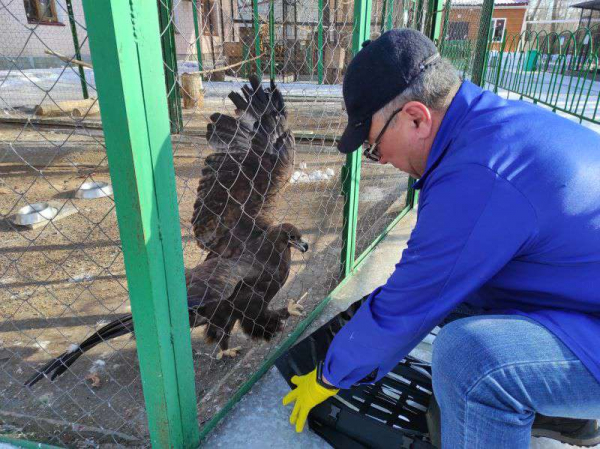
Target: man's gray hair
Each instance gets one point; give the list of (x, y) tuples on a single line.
[(432, 88)]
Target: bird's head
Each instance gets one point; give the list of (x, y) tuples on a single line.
[(292, 237)]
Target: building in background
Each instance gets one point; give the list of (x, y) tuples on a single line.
[(463, 22)]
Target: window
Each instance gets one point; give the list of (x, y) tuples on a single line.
[(41, 11), (458, 31), (498, 29)]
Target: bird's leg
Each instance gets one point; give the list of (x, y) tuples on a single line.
[(224, 349), (224, 352), (292, 309), (295, 309)]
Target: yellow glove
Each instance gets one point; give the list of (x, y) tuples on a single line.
[(307, 395)]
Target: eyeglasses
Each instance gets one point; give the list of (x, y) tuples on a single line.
[(371, 151)]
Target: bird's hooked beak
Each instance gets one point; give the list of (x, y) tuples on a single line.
[(300, 245)]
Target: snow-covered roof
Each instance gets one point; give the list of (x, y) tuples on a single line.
[(496, 4)]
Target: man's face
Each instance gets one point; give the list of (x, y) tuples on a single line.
[(405, 143)]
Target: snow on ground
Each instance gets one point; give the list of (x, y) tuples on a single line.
[(28, 88)]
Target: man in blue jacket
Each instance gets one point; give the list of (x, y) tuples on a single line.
[(508, 224)]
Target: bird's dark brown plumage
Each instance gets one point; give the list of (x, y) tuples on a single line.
[(249, 256)]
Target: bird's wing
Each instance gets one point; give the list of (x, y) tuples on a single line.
[(253, 159), (216, 279)]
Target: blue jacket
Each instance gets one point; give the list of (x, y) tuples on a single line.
[(509, 220)]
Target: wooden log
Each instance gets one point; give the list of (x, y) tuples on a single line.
[(63, 107), (191, 90), (86, 111)]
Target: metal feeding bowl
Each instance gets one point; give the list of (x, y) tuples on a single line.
[(94, 189), (35, 213)]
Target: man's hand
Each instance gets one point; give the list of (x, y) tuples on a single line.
[(307, 395)]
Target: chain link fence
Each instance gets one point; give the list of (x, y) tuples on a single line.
[(62, 274), (463, 22), (63, 277), (305, 47)]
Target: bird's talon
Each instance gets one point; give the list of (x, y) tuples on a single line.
[(295, 309), (231, 352)]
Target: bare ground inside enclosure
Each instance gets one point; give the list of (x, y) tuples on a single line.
[(59, 283)]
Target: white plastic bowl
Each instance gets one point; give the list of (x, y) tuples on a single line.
[(91, 189), (35, 213)]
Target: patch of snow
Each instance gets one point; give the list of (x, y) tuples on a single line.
[(42, 344), (315, 176), (97, 366), (72, 348), (81, 278), (299, 176)]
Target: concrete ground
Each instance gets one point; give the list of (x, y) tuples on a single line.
[(259, 420)]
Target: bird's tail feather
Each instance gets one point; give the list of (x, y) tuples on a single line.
[(59, 365)]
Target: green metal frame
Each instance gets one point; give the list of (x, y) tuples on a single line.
[(198, 36), (84, 89), (536, 66), (351, 171), (169, 51), (272, 38), (480, 62), (127, 57), (256, 25), (435, 16), (25, 444), (320, 43), (387, 15)]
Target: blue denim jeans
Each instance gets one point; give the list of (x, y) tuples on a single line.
[(491, 373)]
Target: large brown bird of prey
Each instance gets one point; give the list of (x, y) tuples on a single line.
[(249, 255)]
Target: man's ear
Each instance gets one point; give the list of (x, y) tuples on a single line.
[(420, 115)]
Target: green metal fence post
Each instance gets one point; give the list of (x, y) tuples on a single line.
[(169, 51), (84, 89), (198, 36), (256, 22), (434, 20), (127, 58), (351, 171), (272, 37), (499, 67), (418, 15), (387, 12), (477, 75), (320, 44), (245, 56)]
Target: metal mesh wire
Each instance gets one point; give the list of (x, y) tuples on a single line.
[(460, 28), (383, 189), (64, 278), (312, 201), (61, 279)]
